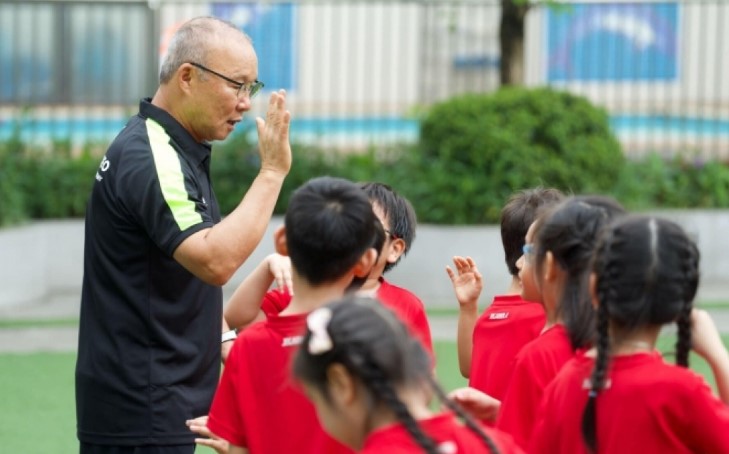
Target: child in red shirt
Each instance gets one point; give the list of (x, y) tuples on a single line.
[(554, 270), (328, 232), (399, 222), (488, 344), (370, 382), (621, 396)]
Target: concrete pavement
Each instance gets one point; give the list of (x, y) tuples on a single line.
[(63, 336), (60, 338)]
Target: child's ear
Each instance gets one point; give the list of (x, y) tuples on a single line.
[(550, 267), (364, 266), (279, 241), (342, 386), (397, 248)]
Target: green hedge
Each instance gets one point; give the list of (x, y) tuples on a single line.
[(474, 151), (37, 184), (484, 146)]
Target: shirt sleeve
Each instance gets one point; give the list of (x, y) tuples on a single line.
[(161, 197), (707, 419), (275, 301)]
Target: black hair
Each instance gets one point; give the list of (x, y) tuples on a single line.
[(329, 225), (376, 348), (520, 211), (398, 211), (646, 274), (570, 231)]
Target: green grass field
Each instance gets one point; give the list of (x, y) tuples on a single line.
[(37, 412)]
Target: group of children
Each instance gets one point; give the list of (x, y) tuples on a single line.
[(338, 360)]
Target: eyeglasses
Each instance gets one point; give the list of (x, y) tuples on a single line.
[(527, 249), (251, 88)]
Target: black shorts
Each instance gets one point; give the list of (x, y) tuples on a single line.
[(88, 448)]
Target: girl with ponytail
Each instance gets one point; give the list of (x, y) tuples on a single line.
[(370, 383), (621, 396), (554, 271)]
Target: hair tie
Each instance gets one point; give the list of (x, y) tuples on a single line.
[(317, 322)]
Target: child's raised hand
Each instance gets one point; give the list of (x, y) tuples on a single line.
[(280, 268), (477, 403), (467, 281), (705, 338)]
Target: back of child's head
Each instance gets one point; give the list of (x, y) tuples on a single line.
[(329, 226), (397, 210), (517, 215), (378, 352), (570, 231), (646, 274)]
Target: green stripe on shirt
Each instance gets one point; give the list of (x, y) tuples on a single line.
[(171, 179)]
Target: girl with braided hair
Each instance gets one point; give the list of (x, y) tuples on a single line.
[(370, 382), (621, 397), (554, 271)]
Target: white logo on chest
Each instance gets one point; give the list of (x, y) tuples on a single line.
[(499, 316), (291, 341)]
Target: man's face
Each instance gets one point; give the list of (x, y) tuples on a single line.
[(218, 105)]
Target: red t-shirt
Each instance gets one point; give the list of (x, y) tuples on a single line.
[(257, 404), (502, 330), (535, 367), (275, 301), (451, 436), (408, 307), (648, 407)]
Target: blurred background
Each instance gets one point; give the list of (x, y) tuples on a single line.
[(360, 72), (456, 104)]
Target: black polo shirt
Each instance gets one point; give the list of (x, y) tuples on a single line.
[(149, 337)]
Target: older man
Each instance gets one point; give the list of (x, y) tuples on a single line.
[(157, 251)]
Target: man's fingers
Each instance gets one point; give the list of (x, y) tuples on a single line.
[(260, 125)]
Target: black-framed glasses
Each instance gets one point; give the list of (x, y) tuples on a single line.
[(250, 88)]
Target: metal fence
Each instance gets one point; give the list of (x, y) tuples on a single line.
[(358, 71)]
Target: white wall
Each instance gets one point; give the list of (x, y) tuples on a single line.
[(46, 258)]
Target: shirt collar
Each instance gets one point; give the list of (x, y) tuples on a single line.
[(196, 151)]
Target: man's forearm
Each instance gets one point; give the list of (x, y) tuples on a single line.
[(216, 253)]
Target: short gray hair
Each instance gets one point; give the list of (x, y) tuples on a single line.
[(191, 43)]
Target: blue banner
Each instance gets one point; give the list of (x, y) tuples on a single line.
[(613, 42)]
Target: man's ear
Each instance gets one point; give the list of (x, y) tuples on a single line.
[(364, 266), (184, 76), (279, 241), (397, 249), (342, 386)]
